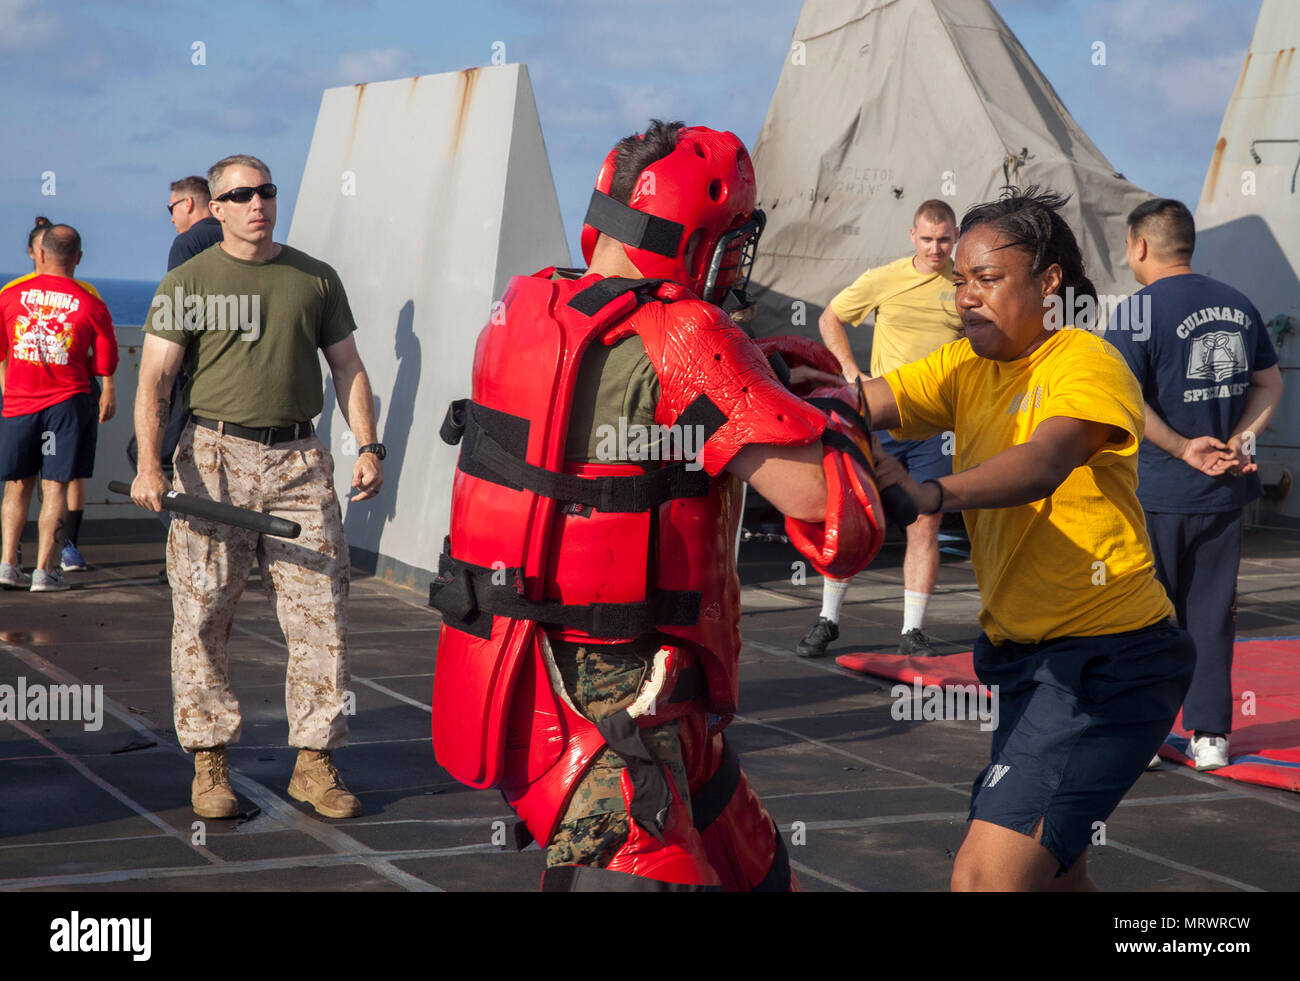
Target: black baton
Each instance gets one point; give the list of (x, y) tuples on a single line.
[(228, 514)]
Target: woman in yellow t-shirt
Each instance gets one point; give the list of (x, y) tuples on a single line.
[(1086, 665)]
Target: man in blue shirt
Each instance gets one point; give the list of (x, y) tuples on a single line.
[(196, 229), (1210, 382)]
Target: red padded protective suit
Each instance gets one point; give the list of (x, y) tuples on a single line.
[(605, 572)]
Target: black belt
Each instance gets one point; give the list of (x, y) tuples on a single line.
[(269, 436)]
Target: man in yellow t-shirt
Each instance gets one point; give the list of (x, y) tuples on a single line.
[(915, 314), (1084, 665)]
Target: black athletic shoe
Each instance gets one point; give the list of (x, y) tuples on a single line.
[(916, 644), (816, 640)]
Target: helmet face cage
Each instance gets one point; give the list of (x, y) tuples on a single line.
[(733, 260)]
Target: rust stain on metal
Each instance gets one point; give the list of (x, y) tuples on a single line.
[(1273, 69), (465, 84), (1215, 162), (1241, 79), (410, 93), (356, 116)]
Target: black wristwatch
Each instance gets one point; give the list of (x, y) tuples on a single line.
[(939, 506), (376, 448)]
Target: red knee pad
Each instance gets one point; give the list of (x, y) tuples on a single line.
[(740, 837), (676, 856)]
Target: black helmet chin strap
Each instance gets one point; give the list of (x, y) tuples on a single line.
[(635, 228)]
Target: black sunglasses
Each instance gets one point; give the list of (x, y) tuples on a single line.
[(242, 195), (175, 203)]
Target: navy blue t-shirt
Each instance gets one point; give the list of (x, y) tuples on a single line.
[(203, 234), (1193, 350)]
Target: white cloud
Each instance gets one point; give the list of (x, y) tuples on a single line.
[(1199, 84), (1153, 21), (375, 65), (23, 26), (1174, 50)]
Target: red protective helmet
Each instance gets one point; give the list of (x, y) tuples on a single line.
[(698, 199)]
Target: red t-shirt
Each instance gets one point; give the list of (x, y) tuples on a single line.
[(48, 326)]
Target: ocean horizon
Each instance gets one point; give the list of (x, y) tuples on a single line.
[(127, 299)]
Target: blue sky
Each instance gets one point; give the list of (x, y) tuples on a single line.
[(106, 95)]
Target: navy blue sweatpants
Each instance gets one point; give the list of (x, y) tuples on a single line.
[(1197, 556)]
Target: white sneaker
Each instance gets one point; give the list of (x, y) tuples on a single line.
[(1155, 762), (12, 576), (48, 582), (1209, 752)]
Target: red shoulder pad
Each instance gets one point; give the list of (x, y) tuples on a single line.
[(711, 375)]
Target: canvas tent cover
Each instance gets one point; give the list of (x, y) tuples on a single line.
[(882, 105)]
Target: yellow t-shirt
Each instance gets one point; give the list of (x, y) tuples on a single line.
[(915, 312), (1077, 563), (31, 275)]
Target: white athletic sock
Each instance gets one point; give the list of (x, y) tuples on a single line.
[(833, 591), (914, 605)]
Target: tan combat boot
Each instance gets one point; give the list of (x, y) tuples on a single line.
[(317, 782), (211, 794)]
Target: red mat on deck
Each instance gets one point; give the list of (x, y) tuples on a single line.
[(1264, 748)]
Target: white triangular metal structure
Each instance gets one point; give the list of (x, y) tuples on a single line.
[(426, 194), (1248, 217), (885, 103)]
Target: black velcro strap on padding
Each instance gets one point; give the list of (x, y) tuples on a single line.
[(582, 878), (492, 597), (599, 295), (522, 836), (780, 367), (712, 799), (692, 685), (778, 876), (650, 794), (453, 594), (838, 441), (453, 423), (509, 437), (635, 228), (486, 456), (842, 409), (705, 414)]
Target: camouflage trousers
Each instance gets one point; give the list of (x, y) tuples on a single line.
[(208, 565), (600, 680)]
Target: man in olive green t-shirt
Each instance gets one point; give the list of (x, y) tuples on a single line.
[(916, 313), (247, 318)]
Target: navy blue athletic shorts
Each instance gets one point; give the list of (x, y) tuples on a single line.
[(1079, 718), (924, 459), (53, 442), (92, 424)]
